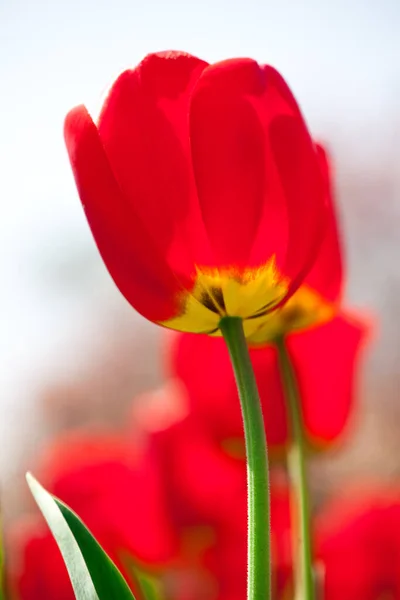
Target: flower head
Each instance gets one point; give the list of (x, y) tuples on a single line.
[(323, 340), (202, 187)]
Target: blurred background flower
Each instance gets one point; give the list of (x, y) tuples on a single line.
[(72, 351), (360, 527)]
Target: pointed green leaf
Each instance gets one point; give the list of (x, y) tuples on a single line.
[(93, 574)]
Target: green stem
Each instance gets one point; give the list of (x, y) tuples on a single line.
[(304, 578), (259, 552)]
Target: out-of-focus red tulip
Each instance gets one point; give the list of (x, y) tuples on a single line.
[(358, 545), (206, 494), (325, 360), (176, 511), (119, 497), (202, 188)]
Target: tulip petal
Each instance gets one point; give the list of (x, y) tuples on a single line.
[(185, 450), (297, 163), (138, 269), (326, 276), (256, 169), (294, 209), (203, 365), (105, 473), (325, 360), (145, 132), (227, 145)]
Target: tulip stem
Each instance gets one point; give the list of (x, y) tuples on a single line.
[(258, 503), (304, 577)]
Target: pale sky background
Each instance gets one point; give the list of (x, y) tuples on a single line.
[(341, 58)]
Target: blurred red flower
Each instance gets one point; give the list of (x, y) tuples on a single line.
[(325, 360), (358, 545), (206, 492), (202, 188), (118, 496), (176, 512)]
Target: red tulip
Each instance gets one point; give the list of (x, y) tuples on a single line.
[(119, 498), (177, 511), (202, 188), (206, 495), (358, 546), (325, 360)]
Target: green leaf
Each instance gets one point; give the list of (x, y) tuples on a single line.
[(93, 574)]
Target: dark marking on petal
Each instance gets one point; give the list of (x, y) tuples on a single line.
[(209, 302), (216, 293)]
